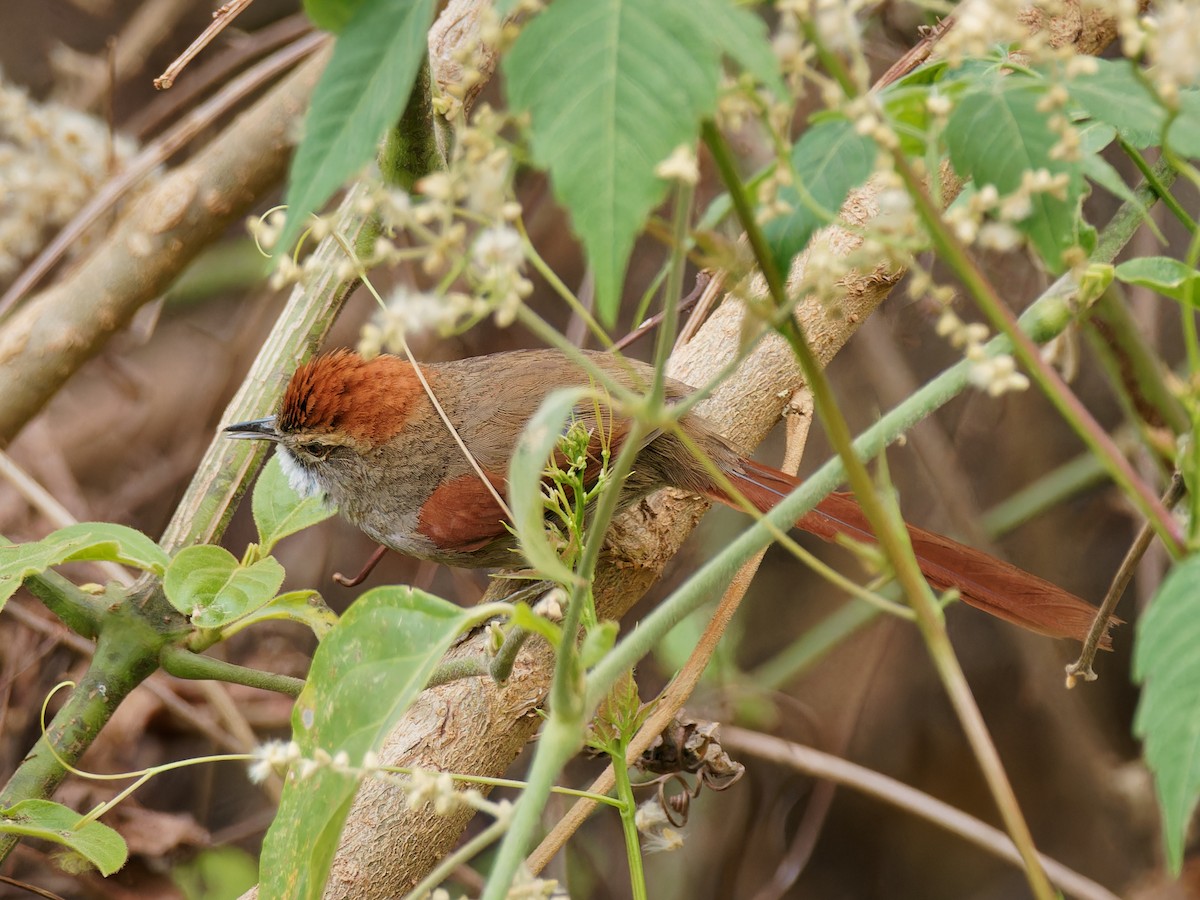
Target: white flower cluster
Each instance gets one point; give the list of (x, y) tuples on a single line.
[(53, 159), (995, 374), (1172, 39)]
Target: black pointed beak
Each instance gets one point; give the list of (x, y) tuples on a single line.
[(256, 429)]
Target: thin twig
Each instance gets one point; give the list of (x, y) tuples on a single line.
[(45, 503), (703, 280), (1082, 667), (822, 765), (221, 18)]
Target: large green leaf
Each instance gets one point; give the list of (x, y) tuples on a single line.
[(364, 675), (995, 135), (828, 161), (1115, 95), (362, 92), (1168, 714), (332, 15), (612, 88), (91, 541), (279, 510), (49, 821), (1184, 133)]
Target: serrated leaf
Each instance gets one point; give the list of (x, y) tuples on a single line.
[(278, 510), (49, 821), (828, 161), (210, 585), (364, 675), (361, 93), (90, 541), (1168, 713), (1115, 95), (995, 135), (1164, 275), (306, 607), (332, 15), (612, 88), (525, 471)]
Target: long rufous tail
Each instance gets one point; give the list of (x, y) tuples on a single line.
[(982, 581)]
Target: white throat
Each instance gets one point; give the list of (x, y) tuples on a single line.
[(301, 479)]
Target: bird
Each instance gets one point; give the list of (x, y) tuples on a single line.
[(364, 435)]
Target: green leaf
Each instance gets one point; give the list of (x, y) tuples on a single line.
[(84, 541), (1115, 95), (1184, 133), (525, 471), (362, 91), (332, 15), (95, 842), (278, 510), (1162, 274), (306, 607), (995, 135), (216, 872), (1165, 662), (209, 584), (828, 161), (612, 88), (364, 676)]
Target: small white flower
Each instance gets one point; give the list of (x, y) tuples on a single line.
[(681, 165)]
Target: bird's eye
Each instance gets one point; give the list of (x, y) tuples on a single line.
[(316, 450)]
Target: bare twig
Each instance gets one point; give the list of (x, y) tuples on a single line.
[(221, 18), (822, 765), (1082, 667)]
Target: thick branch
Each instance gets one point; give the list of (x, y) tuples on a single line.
[(60, 329)]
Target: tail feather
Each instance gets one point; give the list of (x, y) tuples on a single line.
[(987, 583)]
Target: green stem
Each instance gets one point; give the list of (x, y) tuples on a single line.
[(124, 657), (633, 844), (185, 664), (889, 531), (1056, 390), (1157, 184)]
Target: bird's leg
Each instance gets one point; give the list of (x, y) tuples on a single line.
[(358, 579)]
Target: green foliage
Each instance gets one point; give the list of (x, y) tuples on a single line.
[(91, 541), (1168, 715), (97, 843), (279, 511), (363, 677), (618, 718), (216, 873), (612, 88), (362, 92), (1164, 275), (210, 585), (525, 471), (995, 135), (332, 15), (829, 161), (1115, 95)]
